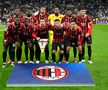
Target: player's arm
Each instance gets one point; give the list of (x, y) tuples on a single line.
[(23, 30), (34, 33), (11, 19), (79, 36), (9, 29), (90, 27), (31, 29)]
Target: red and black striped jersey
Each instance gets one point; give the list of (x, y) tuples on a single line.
[(19, 30), (66, 20), (42, 31), (74, 34), (12, 30), (83, 22), (21, 17), (58, 33), (40, 16), (29, 30), (33, 20)]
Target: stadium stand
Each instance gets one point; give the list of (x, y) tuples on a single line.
[(97, 8)]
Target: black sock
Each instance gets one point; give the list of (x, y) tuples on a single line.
[(38, 53), (60, 57), (65, 52), (46, 52), (10, 54), (26, 52), (31, 53), (18, 53), (53, 57), (89, 52), (83, 52), (80, 56), (4, 56), (13, 55), (67, 56), (74, 51)]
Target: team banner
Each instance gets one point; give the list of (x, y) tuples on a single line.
[(42, 44), (50, 75)]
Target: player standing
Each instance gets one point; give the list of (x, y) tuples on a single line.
[(21, 31), (41, 32), (73, 35), (51, 19), (86, 24), (9, 42), (58, 40), (17, 14), (28, 40), (66, 21), (42, 14)]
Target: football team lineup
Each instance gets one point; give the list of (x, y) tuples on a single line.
[(33, 30), (53, 50), (60, 31)]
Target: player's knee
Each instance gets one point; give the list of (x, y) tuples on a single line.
[(61, 51), (80, 49), (88, 45), (5, 50), (67, 49), (30, 45), (13, 50), (53, 51)]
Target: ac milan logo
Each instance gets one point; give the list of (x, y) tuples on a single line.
[(50, 73)]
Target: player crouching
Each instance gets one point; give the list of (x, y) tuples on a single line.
[(73, 35), (9, 43), (58, 40), (28, 40)]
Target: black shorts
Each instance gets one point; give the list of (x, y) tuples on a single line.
[(87, 39), (7, 45), (30, 41), (58, 44), (72, 43)]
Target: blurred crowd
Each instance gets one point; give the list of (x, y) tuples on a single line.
[(95, 8)]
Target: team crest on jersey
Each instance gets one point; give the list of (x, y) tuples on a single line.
[(83, 24), (50, 73)]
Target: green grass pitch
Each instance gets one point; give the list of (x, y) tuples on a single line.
[(98, 70)]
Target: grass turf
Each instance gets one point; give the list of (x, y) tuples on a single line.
[(98, 70)]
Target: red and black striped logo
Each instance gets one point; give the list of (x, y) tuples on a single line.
[(50, 73)]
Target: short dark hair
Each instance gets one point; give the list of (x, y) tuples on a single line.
[(43, 6), (69, 9), (82, 8)]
